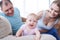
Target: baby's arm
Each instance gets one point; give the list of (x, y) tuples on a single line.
[(37, 36), (19, 32)]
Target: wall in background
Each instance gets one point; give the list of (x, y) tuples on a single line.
[(31, 6)]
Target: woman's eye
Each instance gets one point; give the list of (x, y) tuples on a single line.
[(57, 11), (51, 9)]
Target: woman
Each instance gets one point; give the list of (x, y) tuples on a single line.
[(49, 18)]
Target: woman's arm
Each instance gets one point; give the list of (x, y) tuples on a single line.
[(44, 30), (39, 14), (57, 26)]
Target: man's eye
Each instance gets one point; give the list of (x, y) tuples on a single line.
[(11, 8), (6, 10)]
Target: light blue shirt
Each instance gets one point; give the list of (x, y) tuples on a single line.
[(15, 20), (41, 24)]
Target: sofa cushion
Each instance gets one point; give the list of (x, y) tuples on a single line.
[(5, 27), (30, 37)]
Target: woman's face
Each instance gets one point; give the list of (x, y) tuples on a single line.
[(54, 10)]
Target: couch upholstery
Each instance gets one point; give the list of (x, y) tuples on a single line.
[(5, 27), (30, 37)]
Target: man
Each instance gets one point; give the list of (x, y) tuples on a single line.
[(12, 14)]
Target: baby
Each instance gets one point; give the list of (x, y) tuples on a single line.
[(29, 28)]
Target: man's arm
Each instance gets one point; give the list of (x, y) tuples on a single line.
[(23, 19)]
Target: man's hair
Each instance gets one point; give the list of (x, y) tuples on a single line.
[(32, 14), (0, 3), (6, 3)]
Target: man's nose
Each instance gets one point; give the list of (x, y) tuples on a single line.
[(10, 11)]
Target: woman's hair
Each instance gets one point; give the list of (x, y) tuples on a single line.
[(58, 4), (5, 3)]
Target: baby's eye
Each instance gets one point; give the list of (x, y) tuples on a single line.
[(34, 21)]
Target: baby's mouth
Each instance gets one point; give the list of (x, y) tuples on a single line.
[(31, 25)]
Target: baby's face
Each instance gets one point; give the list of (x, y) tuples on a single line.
[(31, 22)]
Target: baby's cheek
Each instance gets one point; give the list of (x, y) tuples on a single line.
[(35, 24)]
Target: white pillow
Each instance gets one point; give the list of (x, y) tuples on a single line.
[(5, 27)]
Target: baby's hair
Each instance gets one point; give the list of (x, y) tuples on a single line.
[(33, 14)]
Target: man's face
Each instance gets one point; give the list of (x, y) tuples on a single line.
[(8, 9)]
